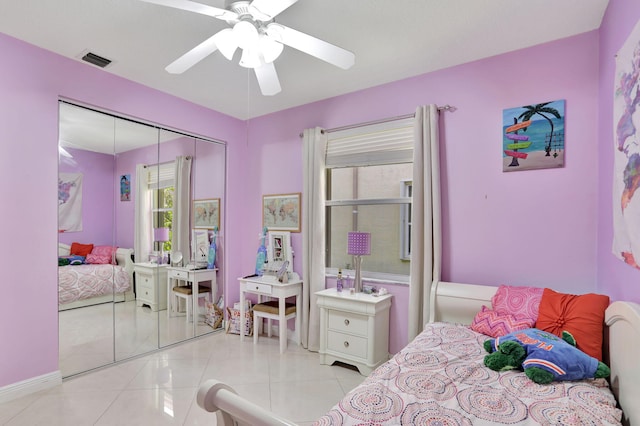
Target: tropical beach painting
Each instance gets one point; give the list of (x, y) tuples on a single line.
[(533, 137)]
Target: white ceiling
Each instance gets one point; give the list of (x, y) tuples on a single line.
[(391, 39)]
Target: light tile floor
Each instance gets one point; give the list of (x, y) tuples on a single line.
[(161, 388)]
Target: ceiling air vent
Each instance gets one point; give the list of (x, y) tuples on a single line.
[(94, 59)]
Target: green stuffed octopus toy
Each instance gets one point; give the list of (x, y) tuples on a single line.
[(544, 357)]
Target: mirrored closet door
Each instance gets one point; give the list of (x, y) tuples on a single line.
[(127, 193)]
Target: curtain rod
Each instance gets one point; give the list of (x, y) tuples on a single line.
[(446, 107)]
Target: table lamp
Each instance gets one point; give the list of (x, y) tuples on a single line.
[(359, 244), (161, 235)]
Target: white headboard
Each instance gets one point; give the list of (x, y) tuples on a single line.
[(458, 303), (623, 321)]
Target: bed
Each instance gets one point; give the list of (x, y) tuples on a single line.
[(439, 378), (91, 284)]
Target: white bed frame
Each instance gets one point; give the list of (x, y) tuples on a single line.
[(455, 302), (123, 257)]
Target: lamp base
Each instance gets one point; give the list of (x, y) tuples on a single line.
[(357, 281)]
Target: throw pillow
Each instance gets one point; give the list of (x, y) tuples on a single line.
[(109, 251), (494, 324), (580, 315), (97, 259), (521, 302), (81, 249)]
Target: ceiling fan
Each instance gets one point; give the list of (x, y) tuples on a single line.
[(261, 39)]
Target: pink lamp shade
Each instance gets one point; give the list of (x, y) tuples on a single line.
[(359, 243), (161, 234)]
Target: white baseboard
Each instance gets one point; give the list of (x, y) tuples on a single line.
[(29, 386)]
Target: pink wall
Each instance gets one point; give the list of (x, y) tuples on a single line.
[(31, 84), (615, 278), (534, 227), (522, 228), (97, 199)]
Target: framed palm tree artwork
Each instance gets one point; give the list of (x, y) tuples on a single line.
[(533, 137)]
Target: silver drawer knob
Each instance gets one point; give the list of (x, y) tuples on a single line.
[(346, 322), (346, 344)]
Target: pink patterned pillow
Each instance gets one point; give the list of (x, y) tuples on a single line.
[(102, 251), (495, 325), (521, 302), (97, 259)]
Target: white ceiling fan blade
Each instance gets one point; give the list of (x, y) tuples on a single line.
[(268, 79), (192, 6), (195, 55), (313, 46), (265, 10)]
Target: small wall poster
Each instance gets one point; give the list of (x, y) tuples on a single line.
[(125, 188), (533, 137)]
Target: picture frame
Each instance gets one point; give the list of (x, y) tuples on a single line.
[(206, 213), (279, 250), (281, 212), (200, 243)]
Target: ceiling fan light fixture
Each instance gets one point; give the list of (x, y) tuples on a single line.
[(270, 48), (250, 58), (227, 43), (246, 34)]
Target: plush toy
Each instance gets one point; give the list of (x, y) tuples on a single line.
[(543, 356)]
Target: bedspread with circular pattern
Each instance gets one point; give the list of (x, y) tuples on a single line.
[(440, 379), (79, 282)]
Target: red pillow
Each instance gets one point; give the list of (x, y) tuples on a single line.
[(81, 249), (581, 315)]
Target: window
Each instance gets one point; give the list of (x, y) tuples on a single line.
[(161, 185), (162, 213), (365, 167)]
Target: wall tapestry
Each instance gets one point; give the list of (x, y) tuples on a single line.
[(533, 137), (69, 202), (626, 157)]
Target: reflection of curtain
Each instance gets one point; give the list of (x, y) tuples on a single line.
[(426, 233), (142, 242), (313, 239), (70, 202), (181, 208)]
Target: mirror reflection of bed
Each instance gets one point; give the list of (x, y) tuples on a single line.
[(101, 320)]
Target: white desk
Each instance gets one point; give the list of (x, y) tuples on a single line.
[(268, 285), (195, 277)]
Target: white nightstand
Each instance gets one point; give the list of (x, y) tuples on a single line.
[(151, 285), (354, 328)]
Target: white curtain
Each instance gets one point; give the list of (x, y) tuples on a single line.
[(181, 227), (142, 227), (426, 233), (313, 238)]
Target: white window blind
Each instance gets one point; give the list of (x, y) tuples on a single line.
[(161, 175), (390, 142)]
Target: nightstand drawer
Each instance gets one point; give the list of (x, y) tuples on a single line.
[(347, 322), (179, 275), (259, 288), (144, 280), (347, 344)]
